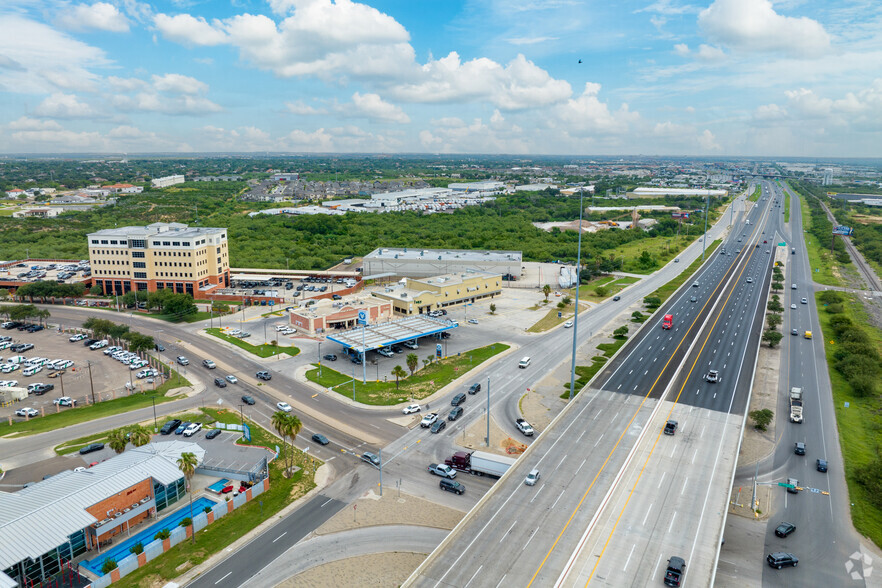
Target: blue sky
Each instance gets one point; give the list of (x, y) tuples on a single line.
[(669, 77)]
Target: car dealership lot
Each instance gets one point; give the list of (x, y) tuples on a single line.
[(109, 377)]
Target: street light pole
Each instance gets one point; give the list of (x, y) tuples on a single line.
[(91, 384), (320, 358), (576, 318), (153, 399)]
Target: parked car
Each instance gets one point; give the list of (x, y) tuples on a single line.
[(27, 412), (192, 429), (248, 400), (170, 427), (212, 433), (330, 357), (65, 401), (182, 427), (91, 448)]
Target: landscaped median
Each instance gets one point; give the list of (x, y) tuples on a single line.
[(258, 350), (74, 416), (421, 384), (665, 291)]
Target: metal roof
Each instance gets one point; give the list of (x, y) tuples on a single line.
[(40, 518), (390, 253), (385, 334)]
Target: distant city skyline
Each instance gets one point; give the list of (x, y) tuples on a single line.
[(713, 78)]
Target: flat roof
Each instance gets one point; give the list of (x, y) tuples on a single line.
[(443, 254), (385, 334), (40, 518), (177, 230)]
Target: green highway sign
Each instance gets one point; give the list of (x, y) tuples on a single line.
[(785, 485)]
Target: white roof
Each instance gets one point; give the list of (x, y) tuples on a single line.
[(40, 518)]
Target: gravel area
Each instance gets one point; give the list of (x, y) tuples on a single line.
[(376, 570), (391, 509)]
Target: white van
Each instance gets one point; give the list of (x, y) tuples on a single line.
[(524, 362), (5, 344), (31, 370), (17, 359), (61, 364), (40, 361)]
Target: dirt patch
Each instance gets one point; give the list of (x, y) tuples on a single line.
[(741, 502), (393, 508), (378, 570), (756, 444), (473, 438), (866, 219)]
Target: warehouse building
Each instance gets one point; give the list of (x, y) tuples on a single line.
[(47, 525), (167, 181), (422, 296), (423, 263), (487, 187), (159, 256)]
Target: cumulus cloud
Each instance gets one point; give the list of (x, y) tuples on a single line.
[(179, 84), (60, 105), (31, 133), (769, 112), (475, 137), (518, 85), (708, 142), (301, 108), (586, 115), (704, 53), (98, 16), (753, 25), (172, 94), (190, 30), (39, 59), (374, 108)]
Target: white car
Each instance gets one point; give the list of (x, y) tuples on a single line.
[(411, 409), (65, 401), (289, 331), (138, 364), (26, 412), (148, 373), (284, 406), (77, 337), (111, 350), (472, 321), (9, 367), (232, 379), (98, 344), (281, 327), (568, 325), (792, 307), (192, 429), (385, 352)]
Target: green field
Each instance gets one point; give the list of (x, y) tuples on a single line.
[(423, 383), (860, 425), (665, 291), (786, 206), (661, 249), (258, 350), (756, 194), (819, 255)]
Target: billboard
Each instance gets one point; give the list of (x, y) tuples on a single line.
[(842, 230), (679, 215)]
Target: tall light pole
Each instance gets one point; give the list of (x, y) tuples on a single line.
[(575, 318), (704, 239), (153, 399), (320, 358)]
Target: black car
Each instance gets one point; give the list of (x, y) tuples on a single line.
[(616, 298), (91, 448), (248, 400), (87, 342), (330, 357), (822, 465), (474, 388), (452, 486), (458, 399), (159, 347), (784, 528), (35, 328), (671, 427), (781, 559), (438, 426), (320, 439), (40, 389), (263, 375), (19, 347), (169, 427), (455, 413), (220, 382), (12, 325), (397, 349), (799, 449), (212, 433), (355, 359)]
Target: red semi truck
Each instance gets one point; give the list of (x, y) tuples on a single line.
[(668, 321)]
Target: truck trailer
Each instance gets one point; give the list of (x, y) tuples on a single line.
[(796, 405), (480, 463)]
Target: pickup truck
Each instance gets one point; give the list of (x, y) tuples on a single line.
[(429, 419), (445, 471), (676, 570), (524, 427)]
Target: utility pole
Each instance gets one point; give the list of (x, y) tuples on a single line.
[(91, 384), (242, 416), (320, 358), (576, 317), (704, 239), (153, 399), (488, 412)]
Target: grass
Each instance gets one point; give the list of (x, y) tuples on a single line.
[(859, 425), (819, 255), (668, 289), (74, 416), (103, 436), (787, 206), (220, 534), (550, 320), (421, 384), (756, 194), (584, 373), (258, 350), (663, 249)]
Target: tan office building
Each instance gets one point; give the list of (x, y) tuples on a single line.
[(159, 256), (424, 295)]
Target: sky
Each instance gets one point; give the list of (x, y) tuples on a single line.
[(789, 78)]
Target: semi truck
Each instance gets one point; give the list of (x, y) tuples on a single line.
[(796, 405), (480, 463), (668, 321)]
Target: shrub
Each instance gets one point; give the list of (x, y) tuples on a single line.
[(830, 297), (870, 477), (108, 566), (840, 323), (836, 308), (773, 320), (186, 522), (162, 534), (761, 418), (652, 301), (863, 385), (601, 291), (621, 332), (853, 365), (137, 548), (206, 510), (772, 337)]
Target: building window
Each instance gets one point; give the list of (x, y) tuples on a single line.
[(176, 243), (139, 243), (156, 243), (166, 243), (114, 242), (141, 285), (141, 275), (186, 243), (104, 241), (139, 264), (139, 254), (94, 241)]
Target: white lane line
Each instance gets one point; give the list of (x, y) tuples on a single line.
[(473, 576), (627, 561), (685, 483), (535, 496), (558, 498), (500, 582), (671, 526), (326, 502), (503, 538), (280, 536), (598, 440), (598, 413), (533, 534), (648, 510), (561, 461), (694, 455), (580, 466), (222, 579), (660, 482)]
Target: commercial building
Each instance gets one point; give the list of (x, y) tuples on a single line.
[(52, 522), (423, 263), (487, 187), (327, 316), (125, 188), (159, 256), (678, 192), (421, 296), (167, 181)]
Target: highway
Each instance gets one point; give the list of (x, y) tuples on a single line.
[(584, 454)]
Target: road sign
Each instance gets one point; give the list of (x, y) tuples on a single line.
[(272, 302), (362, 317), (785, 485), (438, 350)]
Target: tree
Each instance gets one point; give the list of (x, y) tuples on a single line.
[(601, 291), (492, 308), (162, 534), (187, 464), (139, 436), (772, 337), (777, 286), (773, 320), (566, 300), (546, 289), (761, 418), (621, 332), (96, 290), (775, 306), (412, 362), (117, 440), (398, 372), (108, 566)]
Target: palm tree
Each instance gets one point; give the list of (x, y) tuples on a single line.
[(279, 421), (398, 372), (162, 534), (117, 440), (139, 436), (412, 362), (546, 289), (187, 464), (293, 428)]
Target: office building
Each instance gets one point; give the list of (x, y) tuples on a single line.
[(159, 256), (167, 181)]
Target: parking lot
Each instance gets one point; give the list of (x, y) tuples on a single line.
[(91, 370), (57, 271)]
